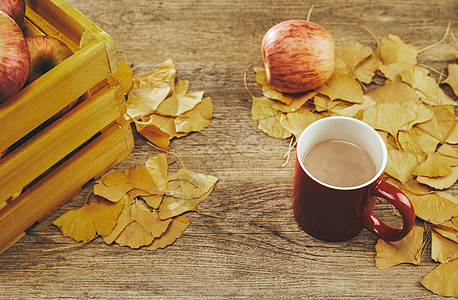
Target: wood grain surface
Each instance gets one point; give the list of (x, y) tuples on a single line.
[(256, 251)]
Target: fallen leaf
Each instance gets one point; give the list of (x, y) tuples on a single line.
[(401, 164), (436, 207), (440, 182), (407, 250), (443, 250), (272, 126), (180, 101), (429, 90), (342, 86), (394, 50), (435, 165), (452, 78), (137, 226), (398, 92), (144, 101), (173, 232), (390, 117), (196, 119), (118, 186), (442, 280), (124, 75), (447, 230), (352, 54), (187, 184), (95, 218), (295, 122)]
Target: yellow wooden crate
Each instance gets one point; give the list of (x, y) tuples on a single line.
[(49, 156)]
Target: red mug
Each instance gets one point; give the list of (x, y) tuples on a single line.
[(334, 213)]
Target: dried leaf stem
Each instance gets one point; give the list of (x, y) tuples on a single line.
[(371, 34), (439, 42), (244, 81)]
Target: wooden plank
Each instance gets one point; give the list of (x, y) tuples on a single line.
[(53, 143), (63, 183)]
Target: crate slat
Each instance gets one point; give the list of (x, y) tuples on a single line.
[(53, 143), (47, 95), (114, 144)]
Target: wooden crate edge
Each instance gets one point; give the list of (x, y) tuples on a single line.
[(108, 149)]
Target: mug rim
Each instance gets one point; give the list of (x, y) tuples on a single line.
[(349, 119)]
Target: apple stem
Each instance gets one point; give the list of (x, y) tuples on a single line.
[(310, 12)]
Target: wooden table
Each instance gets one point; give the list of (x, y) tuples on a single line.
[(257, 250)]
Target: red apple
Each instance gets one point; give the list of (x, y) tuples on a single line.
[(15, 9), (46, 52), (14, 57), (298, 56)]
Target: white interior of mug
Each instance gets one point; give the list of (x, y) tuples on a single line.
[(344, 128)]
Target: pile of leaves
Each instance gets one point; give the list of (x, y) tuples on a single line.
[(388, 89), (140, 207), (161, 107)]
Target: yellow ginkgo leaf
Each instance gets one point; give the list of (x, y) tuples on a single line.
[(262, 108), (173, 232), (352, 54), (447, 230), (144, 101), (394, 50), (272, 126), (164, 75), (407, 250), (442, 280), (114, 178), (392, 71), (355, 109), (295, 122), (436, 207), (124, 75), (173, 206), (435, 165), (195, 119), (137, 226), (154, 133), (365, 70), (342, 86), (401, 164), (113, 192), (178, 104), (322, 103), (417, 141), (440, 182), (429, 90), (411, 186), (187, 184), (390, 117), (153, 201), (393, 92), (157, 167), (97, 217), (452, 78), (443, 250), (142, 180), (299, 101)]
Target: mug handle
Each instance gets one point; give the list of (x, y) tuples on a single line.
[(400, 201)]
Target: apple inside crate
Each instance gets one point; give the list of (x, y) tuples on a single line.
[(64, 128)]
